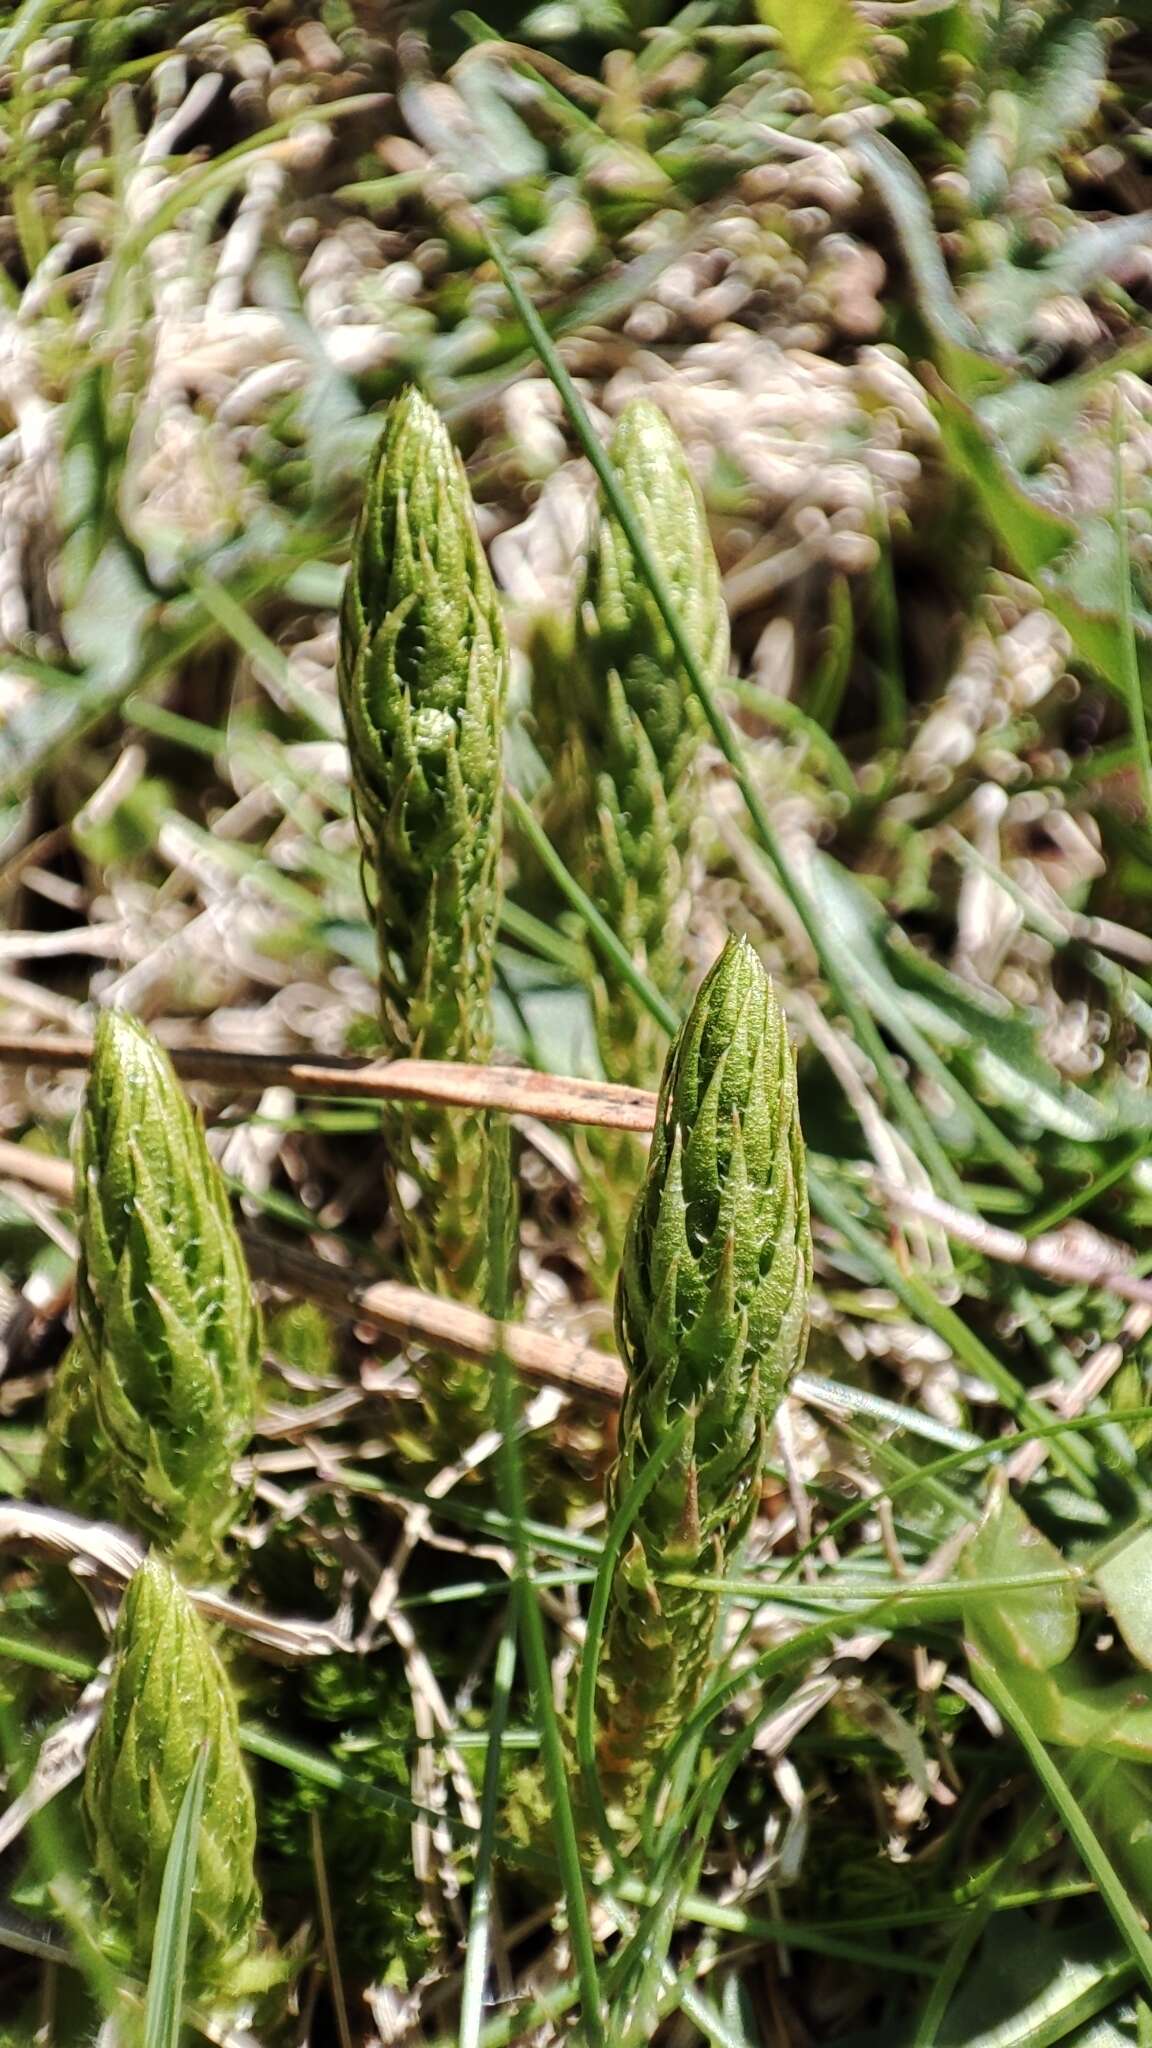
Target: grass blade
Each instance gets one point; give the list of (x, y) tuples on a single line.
[(164, 2004), (1075, 1821), (526, 1609), (328, 1929), (479, 1920), (601, 930), (918, 1298), (1129, 678)]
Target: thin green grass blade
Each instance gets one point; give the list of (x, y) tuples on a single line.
[(522, 2019), (979, 1455), (204, 182), (563, 1819), (820, 1936), (888, 668), (643, 1998), (1071, 1205), (526, 1608), (164, 2004), (797, 724), (57, 1857), (317, 1769), (542, 940), (704, 2015), (1076, 1823), (835, 1396), (1129, 678), (599, 927), (480, 1917), (265, 657), (27, 21), (968, 1934), (44, 1657), (918, 1298), (328, 1929), (771, 1663), (907, 203)]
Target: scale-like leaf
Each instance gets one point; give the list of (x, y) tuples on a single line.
[(620, 727)]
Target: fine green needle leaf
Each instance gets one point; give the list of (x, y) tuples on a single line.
[(998, 1688), (1129, 678), (480, 1918), (164, 2004)]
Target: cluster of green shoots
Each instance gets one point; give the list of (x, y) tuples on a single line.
[(148, 1415), (423, 679), (712, 1297), (155, 1403), (622, 730), (712, 1319)]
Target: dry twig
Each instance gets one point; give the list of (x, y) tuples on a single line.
[(1082, 1256), (519, 1090), (107, 1553)]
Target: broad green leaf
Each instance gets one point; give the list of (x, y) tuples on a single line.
[(1089, 254), (1070, 1708), (1089, 585), (1038, 543), (1028, 419), (1006, 298), (1061, 1783), (998, 1045), (1064, 90), (925, 1007), (105, 626), (958, 342), (1037, 1626), (1125, 1580), (513, 151), (1038, 108), (544, 1020), (818, 38), (858, 925), (1118, 1795), (1028, 1986), (1033, 534), (91, 459)]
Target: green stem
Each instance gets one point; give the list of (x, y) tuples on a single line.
[(899, 1093)]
